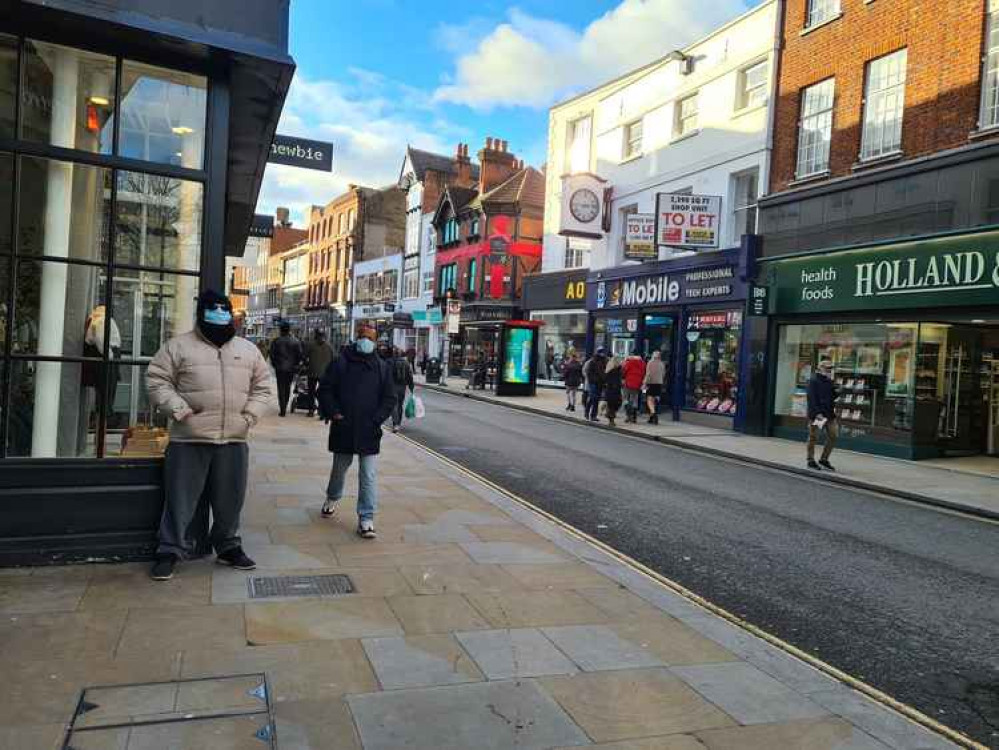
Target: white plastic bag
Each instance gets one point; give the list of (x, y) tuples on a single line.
[(421, 410)]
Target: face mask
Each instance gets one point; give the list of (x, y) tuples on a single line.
[(365, 346), (218, 317)]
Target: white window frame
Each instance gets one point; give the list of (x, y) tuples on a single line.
[(686, 123), (760, 89), (819, 12), (989, 116), (575, 257), (632, 146), (816, 109), (884, 105), (578, 151), (411, 278), (741, 207)]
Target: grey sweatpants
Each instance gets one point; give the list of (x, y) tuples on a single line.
[(193, 470)]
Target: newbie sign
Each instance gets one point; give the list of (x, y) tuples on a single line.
[(684, 220), (301, 152)]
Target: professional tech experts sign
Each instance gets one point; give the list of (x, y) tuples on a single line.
[(953, 271)]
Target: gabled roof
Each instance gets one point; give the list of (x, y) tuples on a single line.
[(458, 197), (525, 188), (424, 160)]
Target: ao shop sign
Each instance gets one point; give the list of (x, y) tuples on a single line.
[(687, 286), (935, 273)]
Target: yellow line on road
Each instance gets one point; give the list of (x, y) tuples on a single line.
[(860, 686)]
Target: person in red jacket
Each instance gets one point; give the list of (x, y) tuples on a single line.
[(633, 373)]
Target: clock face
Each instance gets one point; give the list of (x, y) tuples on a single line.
[(584, 205)]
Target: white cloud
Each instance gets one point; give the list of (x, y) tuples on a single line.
[(533, 61), (370, 119)]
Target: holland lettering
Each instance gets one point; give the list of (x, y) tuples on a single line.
[(948, 271)]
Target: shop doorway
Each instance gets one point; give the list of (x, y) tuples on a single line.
[(660, 336)]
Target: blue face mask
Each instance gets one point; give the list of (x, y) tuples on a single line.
[(217, 317), (365, 346)]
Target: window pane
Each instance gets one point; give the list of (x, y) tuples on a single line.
[(68, 97), (6, 196), (53, 409), (158, 221), (885, 105), (133, 429), (8, 84), (162, 115), (6, 265), (58, 309), (151, 307), (63, 209), (713, 362)]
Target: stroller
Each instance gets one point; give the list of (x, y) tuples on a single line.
[(301, 398)]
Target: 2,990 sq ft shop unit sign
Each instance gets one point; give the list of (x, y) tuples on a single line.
[(944, 272)]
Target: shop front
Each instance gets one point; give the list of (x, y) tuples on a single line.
[(478, 338), (558, 300), (691, 310), (912, 330)]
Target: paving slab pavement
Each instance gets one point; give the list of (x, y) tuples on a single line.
[(476, 623)]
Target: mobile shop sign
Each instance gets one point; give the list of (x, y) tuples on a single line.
[(944, 272), (691, 286), (684, 220), (640, 236), (301, 152)]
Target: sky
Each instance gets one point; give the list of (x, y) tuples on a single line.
[(376, 75)]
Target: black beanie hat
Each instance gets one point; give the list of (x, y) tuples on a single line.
[(209, 299)]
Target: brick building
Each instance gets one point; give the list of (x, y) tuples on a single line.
[(488, 238), (880, 246)]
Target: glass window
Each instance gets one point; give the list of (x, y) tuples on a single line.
[(56, 305), (753, 86), (712, 383), (884, 105), (134, 428), (472, 276), (162, 115), (68, 97), (8, 84), (63, 209), (874, 367), (151, 307), (990, 77), (6, 265), (746, 191), (563, 332), (815, 128), (578, 144), (6, 200), (820, 11), (411, 283), (158, 221), (686, 116), (633, 139), (616, 335), (577, 253)]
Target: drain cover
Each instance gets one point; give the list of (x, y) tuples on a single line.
[(325, 585)]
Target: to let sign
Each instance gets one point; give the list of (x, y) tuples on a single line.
[(684, 220), (301, 152), (640, 236)]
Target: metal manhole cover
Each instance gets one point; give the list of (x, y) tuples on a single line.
[(265, 587)]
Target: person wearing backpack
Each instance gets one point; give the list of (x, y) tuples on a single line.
[(402, 379), (356, 395)]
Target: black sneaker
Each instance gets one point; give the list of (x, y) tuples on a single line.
[(366, 529), (813, 465), (826, 465), (236, 558), (163, 567)]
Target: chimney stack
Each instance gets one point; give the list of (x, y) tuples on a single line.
[(463, 167), (496, 164), (282, 216)]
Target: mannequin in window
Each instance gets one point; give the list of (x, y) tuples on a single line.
[(92, 373)]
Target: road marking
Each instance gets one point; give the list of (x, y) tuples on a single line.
[(913, 714)]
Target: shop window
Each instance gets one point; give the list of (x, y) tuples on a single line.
[(815, 128), (163, 114), (616, 335), (563, 333), (8, 84), (712, 383), (753, 86), (158, 221), (6, 196), (54, 407), (151, 307), (68, 98), (990, 77), (133, 429), (884, 105)]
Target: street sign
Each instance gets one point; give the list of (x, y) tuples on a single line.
[(301, 152)]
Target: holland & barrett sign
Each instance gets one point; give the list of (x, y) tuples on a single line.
[(945, 272)]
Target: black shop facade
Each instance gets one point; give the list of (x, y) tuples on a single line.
[(692, 311)]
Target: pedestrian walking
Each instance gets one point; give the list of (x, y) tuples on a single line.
[(595, 372), (356, 396), (655, 377), (572, 375), (613, 382), (822, 395), (319, 356), (214, 386), (286, 358), (549, 359), (633, 376), (402, 379)]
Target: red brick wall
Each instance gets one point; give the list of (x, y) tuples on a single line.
[(944, 39)]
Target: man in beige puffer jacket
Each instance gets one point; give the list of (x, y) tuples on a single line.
[(214, 386)]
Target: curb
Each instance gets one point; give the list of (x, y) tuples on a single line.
[(707, 450)]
